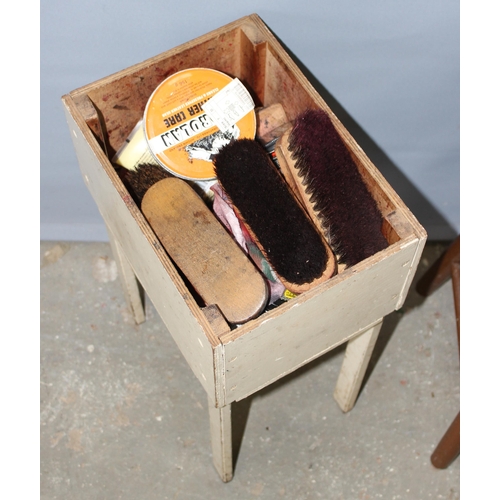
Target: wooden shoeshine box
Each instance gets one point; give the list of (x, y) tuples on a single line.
[(234, 363)]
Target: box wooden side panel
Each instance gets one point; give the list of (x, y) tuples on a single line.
[(284, 83), (308, 326), (183, 318), (249, 69)]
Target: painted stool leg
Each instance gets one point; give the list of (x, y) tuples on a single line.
[(354, 365), (133, 291), (221, 437)]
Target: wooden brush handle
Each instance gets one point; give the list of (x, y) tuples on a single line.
[(284, 160), (211, 260), (291, 175), (287, 166)]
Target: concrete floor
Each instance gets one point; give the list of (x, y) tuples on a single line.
[(123, 417)]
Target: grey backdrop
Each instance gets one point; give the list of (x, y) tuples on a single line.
[(389, 69)]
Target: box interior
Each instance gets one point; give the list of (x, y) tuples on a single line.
[(120, 100)]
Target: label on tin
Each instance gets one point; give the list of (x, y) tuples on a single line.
[(182, 135), (187, 130), (230, 105)]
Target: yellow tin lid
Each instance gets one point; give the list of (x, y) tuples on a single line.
[(185, 124)]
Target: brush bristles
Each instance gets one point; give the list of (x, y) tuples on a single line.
[(348, 212), (140, 180), (287, 237)]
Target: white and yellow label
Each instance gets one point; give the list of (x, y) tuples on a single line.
[(185, 127)]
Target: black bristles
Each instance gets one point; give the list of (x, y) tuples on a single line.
[(348, 211), (139, 181), (290, 242)]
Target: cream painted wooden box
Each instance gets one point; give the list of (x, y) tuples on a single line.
[(232, 364)]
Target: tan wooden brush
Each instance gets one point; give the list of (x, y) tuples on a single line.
[(216, 267)]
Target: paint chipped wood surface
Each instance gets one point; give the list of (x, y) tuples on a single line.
[(312, 324), (157, 274), (356, 358), (221, 440)]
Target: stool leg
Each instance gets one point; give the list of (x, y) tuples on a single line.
[(440, 271), (449, 447), (356, 359), (221, 437), (133, 291)]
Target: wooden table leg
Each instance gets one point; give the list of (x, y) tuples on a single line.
[(221, 437), (440, 271), (449, 447), (446, 266), (356, 359), (133, 291)]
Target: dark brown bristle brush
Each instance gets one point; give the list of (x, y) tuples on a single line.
[(138, 181), (282, 230), (320, 169)]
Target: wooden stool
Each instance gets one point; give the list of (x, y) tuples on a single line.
[(446, 267), (232, 363)]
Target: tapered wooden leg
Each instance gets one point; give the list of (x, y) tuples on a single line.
[(440, 271), (133, 291), (354, 365), (449, 447), (446, 266), (221, 437)]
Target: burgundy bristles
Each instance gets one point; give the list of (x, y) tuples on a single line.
[(290, 242), (336, 187)]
